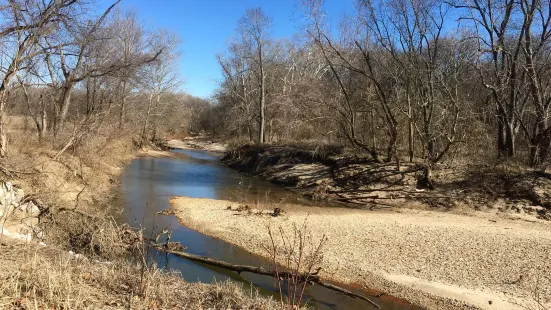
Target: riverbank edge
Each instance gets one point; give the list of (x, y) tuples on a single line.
[(376, 284), (333, 175), (423, 293), (53, 254), (195, 143)]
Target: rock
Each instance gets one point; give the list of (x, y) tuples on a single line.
[(4, 231), (6, 193), (77, 256), (20, 219), (38, 232), (10, 198), (18, 195), (30, 209)]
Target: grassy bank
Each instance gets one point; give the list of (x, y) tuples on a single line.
[(34, 277), (433, 259), (86, 260)]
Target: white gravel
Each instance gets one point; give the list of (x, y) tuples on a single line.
[(434, 259)]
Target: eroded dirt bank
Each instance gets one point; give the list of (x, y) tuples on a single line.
[(433, 259), (332, 173)]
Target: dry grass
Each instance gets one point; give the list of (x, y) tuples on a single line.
[(82, 176), (77, 186), (32, 277)]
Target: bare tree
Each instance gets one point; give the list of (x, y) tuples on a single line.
[(159, 78), (253, 31), (131, 42), (27, 23)]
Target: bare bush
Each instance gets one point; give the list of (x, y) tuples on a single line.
[(298, 253)]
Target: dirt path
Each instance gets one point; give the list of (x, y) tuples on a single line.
[(434, 259)]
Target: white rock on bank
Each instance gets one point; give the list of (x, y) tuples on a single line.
[(20, 220), (30, 209), (13, 235)]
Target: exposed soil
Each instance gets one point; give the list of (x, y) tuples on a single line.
[(434, 259), (332, 174)]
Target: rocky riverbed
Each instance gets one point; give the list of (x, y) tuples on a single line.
[(434, 259)]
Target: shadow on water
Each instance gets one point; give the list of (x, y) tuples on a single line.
[(148, 183)]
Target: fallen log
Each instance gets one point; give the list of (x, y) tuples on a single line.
[(310, 278)]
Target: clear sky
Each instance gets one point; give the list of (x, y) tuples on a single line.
[(205, 26)]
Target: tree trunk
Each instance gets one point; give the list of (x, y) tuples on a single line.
[(510, 140), (143, 135), (544, 146), (64, 103), (3, 94), (501, 147), (411, 131), (310, 278), (123, 105), (391, 147), (3, 138), (262, 110), (44, 121), (539, 146)]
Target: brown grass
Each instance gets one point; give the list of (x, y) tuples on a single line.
[(33, 277), (77, 186)]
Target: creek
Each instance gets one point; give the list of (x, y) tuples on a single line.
[(147, 184)]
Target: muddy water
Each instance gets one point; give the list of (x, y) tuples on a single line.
[(147, 185)]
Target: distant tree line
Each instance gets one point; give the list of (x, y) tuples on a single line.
[(73, 71), (425, 80)]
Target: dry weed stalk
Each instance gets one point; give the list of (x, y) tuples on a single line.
[(539, 298), (301, 254)]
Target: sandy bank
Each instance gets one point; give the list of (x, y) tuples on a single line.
[(196, 144), (433, 259), (147, 152)]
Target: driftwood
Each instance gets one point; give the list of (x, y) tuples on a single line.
[(311, 278), (377, 197)]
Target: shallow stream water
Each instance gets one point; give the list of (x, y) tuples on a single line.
[(148, 183)]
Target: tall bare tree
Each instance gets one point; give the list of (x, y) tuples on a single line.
[(27, 22)]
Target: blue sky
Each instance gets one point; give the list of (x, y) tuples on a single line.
[(205, 26)]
